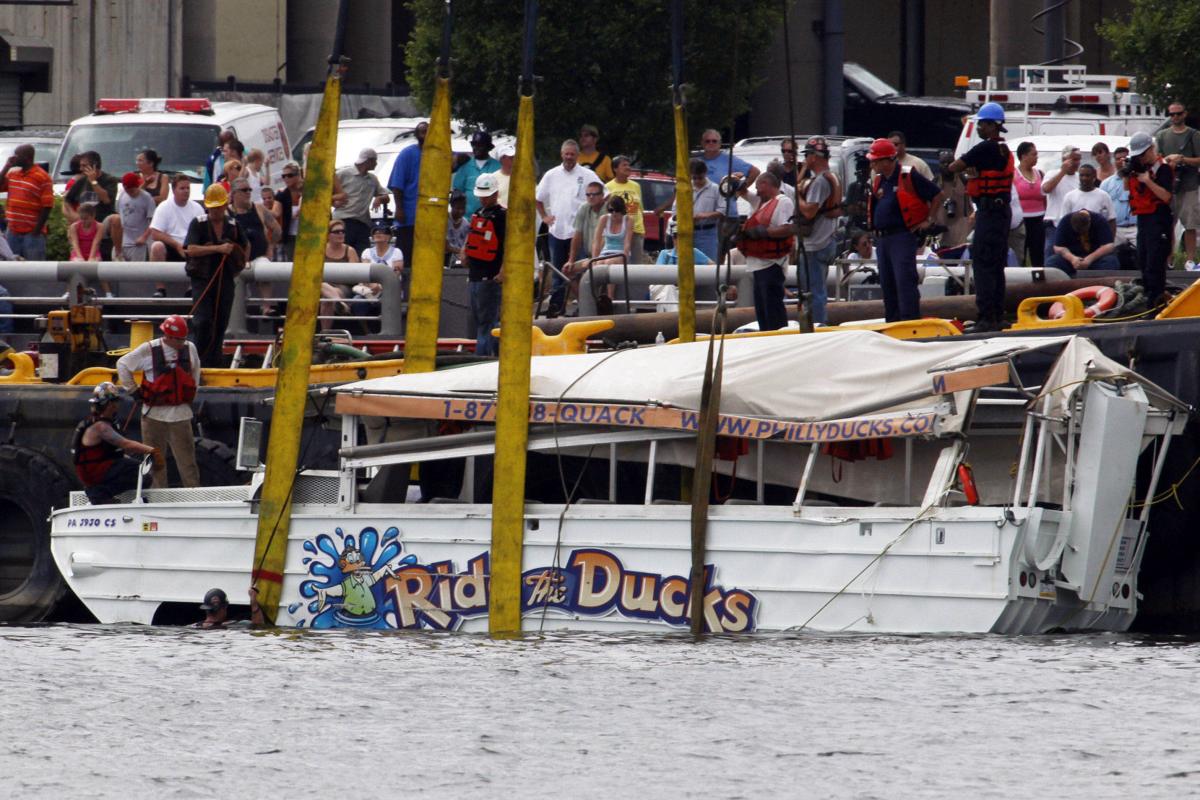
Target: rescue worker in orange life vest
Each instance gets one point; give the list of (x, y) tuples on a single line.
[(485, 262), (99, 450), (170, 367), (898, 208), (991, 188), (1150, 180)]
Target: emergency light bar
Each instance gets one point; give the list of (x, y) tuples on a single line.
[(177, 105)]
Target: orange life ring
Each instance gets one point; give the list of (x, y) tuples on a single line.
[(1103, 298)]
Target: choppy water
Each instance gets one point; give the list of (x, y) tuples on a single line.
[(92, 711)]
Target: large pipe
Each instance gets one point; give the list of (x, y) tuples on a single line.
[(833, 55), (643, 328), (914, 46)]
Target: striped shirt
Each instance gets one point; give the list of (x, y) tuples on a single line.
[(29, 191)]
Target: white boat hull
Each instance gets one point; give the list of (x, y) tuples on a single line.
[(621, 567)]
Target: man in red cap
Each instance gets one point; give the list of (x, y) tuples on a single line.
[(130, 226), (898, 206), (170, 368)]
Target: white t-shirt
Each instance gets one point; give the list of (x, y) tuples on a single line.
[(562, 193), (1095, 201), (173, 219), (141, 359), (780, 216), (371, 256), (136, 214), (1054, 199)]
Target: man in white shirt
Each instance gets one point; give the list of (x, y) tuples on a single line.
[(1089, 197), (560, 193), (1056, 186), (170, 366), (169, 227)]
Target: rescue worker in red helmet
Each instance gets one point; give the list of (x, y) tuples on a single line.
[(898, 207), (170, 366), (990, 187), (98, 450)]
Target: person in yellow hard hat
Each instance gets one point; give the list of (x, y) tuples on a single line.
[(217, 250)]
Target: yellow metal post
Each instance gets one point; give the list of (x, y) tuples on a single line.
[(429, 237), (683, 232), (512, 411), (295, 356)]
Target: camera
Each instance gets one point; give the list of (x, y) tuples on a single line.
[(1133, 166), (950, 207)]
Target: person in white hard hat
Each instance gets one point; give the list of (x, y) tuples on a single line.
[(170, 367), (484, 254)]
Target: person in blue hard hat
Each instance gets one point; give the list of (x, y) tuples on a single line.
[(990, 186)]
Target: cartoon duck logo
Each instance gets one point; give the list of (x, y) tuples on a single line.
[(347, 591)]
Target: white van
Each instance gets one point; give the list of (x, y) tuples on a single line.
[(1063, 101), (183, 131)]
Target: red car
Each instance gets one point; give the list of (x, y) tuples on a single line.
[(658, 188)]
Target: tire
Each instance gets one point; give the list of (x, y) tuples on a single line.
[(217, 463), (30, 486)]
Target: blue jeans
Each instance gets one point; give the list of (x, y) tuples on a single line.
[(30, 246), (818, 262), (485, 307), (559, 250), (1109, 261)]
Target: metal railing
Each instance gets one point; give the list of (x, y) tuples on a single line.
[(73, 274)]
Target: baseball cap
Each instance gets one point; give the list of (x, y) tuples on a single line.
[(486, 185), (365, 155), (506, 150), (481, 137), (214, 599), (131, 179), (816, 144), (592, 129), (1140, 143)]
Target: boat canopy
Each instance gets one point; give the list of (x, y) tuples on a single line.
[(850, 376)]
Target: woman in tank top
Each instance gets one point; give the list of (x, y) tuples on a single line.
[(337, 251), (1028, 181), (614, 234), (154, 182)]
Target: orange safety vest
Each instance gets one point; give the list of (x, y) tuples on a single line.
[(482, 242), (994, 181), (1142, 200), (766, 249), (913, 209), (170, 387)]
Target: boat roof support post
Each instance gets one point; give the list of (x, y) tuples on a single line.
[(346, 475), (650, 463), (1148, 501), (808, 468)]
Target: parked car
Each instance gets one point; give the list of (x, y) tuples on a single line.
[(355, 134), (45, 144), (875, 108), (658, 189)]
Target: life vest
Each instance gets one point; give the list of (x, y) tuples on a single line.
[(483, 243), (994, 181), (93, 461), (173, 386), (1142, 200), (913, 209), (766, 249)]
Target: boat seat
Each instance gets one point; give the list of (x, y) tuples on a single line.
[(443, 500), (741, 501), (593, 501), (660, 501), (820, 504)]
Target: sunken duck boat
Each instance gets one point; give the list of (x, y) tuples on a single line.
[(1008, 505)]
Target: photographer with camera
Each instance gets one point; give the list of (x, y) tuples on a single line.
[(1150, 179), (955, 213), (991, 189), (1180, 149), (1114, 186)]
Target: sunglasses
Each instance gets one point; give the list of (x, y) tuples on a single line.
[(1178, 114), (290, 174), (247, 191), (337, 230), (594, 194)]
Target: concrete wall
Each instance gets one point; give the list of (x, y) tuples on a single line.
[(246, 38), (102, 48), (310, 29)]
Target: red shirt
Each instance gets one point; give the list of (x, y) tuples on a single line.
[(29, 191)]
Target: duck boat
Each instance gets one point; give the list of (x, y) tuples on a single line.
[(862, 484)]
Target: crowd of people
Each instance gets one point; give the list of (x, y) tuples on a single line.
[(1007, 212)]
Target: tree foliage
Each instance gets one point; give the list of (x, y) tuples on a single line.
[(608, 64), (1157, 43)]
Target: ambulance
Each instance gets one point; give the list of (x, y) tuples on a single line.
[(1061, 101), (182, 130)]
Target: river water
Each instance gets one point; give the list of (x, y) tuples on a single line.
[(115, 711)]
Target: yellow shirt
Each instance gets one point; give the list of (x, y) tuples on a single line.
[(598, 163), (631, 193)]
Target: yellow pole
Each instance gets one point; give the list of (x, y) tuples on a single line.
[(683, 232), (512, 411), (295, 356), (429, 238)]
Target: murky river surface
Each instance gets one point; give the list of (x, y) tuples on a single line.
[(93, 711)]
